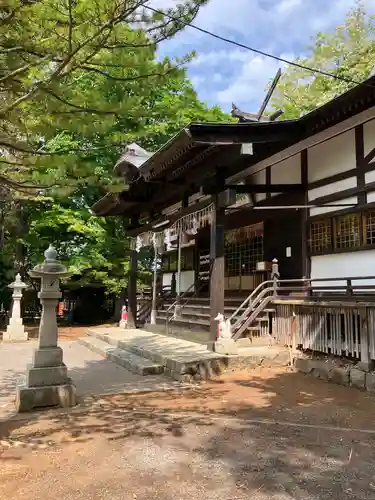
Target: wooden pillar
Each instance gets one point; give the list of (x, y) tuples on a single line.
[(132, 290), (217, 267), (305, 216)]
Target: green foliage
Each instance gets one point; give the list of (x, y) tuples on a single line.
[(65, 129), (70, 71), (348, 52)]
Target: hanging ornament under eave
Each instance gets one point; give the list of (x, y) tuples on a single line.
[(184, 238), (138, 244), (193, 229), (167, 239)]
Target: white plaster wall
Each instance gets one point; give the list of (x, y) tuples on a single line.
[(334, 187), (351, 264), (259, 178), (187, 279), (353, 200), (369, 136), (167, 279), (332, 157), (371, 197), (370, 177), (287, 171)]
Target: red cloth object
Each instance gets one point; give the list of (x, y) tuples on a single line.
[(124, 315)]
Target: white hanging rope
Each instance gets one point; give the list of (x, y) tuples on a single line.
[(189, 224)]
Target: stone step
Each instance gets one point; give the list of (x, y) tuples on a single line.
[(132, 362), (180, 358)]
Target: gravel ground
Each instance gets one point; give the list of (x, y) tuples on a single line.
[(264, 434), (90, 372)]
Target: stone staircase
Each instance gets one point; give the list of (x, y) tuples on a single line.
[(195, 318), (146, 353)]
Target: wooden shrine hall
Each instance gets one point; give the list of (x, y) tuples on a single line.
[(220, 201)]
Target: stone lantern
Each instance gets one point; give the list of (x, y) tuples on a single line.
[(47, 382), (15, 331)]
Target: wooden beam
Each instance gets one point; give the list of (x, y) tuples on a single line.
[(254, 188), (135, 231), (360, 163), (238, 133), (306, 261), (192, 180), (217, 267), (132, 287), (313, 140)]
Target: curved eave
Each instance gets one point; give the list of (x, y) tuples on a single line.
[(111, 204), (166, 155)]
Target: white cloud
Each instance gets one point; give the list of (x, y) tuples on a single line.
[(286, 6), (248, 88), (219, 56), (222, 72)]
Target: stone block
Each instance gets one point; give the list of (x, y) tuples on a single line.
[(357, 378), (321, 369), (244, 342), (339, 375), (48, 356), (29, 398), (46, 376), (15, 332), (365, 367), (226, 346), (303, 365), (370, 382)]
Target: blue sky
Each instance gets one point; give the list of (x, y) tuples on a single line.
[(223, 73)]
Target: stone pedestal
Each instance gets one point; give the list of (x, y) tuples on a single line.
[(226, 346), (47, 382), (15, 331)]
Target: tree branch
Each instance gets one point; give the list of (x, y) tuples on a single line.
[(130, 78), (76, 107)]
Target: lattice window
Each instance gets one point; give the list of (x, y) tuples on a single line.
[(348, 231), (243, 249), (165, 263), (187, 259), (173, 261), (320, 237), (369, 227), (170, 260)]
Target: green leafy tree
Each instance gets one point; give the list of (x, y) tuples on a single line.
[(53, 54), (76, 128), (347, 52)]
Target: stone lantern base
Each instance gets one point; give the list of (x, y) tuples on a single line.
[(15, 331), (47, 382)]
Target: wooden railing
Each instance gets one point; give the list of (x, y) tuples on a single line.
[(329, 315), (145, 304), (342, 329), (184, 299)]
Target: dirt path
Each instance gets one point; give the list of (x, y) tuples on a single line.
[(65, 332), (265, 434)]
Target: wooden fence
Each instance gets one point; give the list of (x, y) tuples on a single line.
[(343, 329)]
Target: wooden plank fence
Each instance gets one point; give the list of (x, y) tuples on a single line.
[(342, 330)]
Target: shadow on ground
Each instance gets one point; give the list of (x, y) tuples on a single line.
[(274, 432)]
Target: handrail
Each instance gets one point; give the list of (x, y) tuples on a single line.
[(258, 305), (248, 298), (181, 296), (178, 301), (258, 299)]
